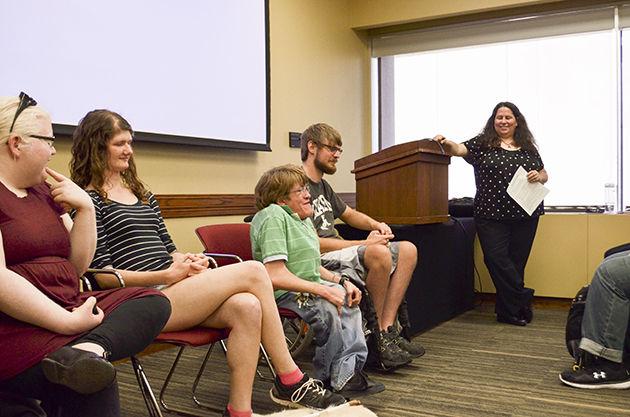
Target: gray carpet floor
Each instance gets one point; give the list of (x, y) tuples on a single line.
[(474, 366)]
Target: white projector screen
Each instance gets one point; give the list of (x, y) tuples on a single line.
[(190, 72)]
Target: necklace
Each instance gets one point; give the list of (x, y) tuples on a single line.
[(508, 145)]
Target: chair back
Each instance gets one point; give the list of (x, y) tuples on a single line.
[(228, 238)]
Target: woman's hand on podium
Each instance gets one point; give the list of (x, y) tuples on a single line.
[(450, 147)]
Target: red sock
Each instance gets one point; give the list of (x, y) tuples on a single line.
[(291, 378), (234, 413)]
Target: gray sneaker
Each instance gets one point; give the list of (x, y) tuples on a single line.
[(390, 354), (413, 349)]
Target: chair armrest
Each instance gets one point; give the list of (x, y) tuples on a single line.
[(87, 284), (109, 271), (212, 261), (212, 255)]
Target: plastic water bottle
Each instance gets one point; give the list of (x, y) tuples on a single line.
[(610, 197)]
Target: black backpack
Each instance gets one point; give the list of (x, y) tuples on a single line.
[(573, 331)]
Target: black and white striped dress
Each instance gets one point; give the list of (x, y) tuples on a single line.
[(131, 236)]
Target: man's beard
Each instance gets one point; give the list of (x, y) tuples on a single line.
[(326, 169)]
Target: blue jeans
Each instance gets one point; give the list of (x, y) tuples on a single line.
[(340, 344), (605, 322)]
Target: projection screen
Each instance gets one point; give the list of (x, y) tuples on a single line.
[(190, 72)]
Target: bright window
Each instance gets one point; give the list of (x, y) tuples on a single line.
[(565, 86)]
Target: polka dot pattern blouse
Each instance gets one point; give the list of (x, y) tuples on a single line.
[(494, 169)]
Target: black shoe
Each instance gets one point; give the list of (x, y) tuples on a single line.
[(309, 393), (81, 371), (413, 349), (516, 321), (390, 354), (527, 314), (360, 386), (602, 374)]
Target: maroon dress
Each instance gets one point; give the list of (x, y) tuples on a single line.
[(37, 246)]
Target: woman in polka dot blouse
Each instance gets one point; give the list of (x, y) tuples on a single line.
[(506, 232)]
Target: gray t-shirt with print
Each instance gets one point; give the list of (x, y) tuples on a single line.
[(327, 206)]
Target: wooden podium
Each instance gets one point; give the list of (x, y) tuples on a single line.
[(404, 184)]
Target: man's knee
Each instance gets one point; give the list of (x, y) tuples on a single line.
[(407, 252), (378, 256)]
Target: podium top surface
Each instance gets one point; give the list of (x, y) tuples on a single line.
[(426, 146)]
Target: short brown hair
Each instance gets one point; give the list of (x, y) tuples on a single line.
[(319, 133), (276, 184)]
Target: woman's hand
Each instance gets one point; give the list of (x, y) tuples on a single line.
[(451, 148), (67, 194), (533, 176), (439, 139), (82, 318), (199, 259), (197, 267), (197, 262), (177, 271), (354, 294)]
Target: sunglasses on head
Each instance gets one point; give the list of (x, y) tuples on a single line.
[(25, 102)]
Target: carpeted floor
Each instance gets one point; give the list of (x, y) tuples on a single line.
[(474, 366)]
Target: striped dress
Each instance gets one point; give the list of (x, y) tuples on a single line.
[(131, 236)]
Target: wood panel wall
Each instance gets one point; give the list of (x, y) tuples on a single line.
[(175, 206)]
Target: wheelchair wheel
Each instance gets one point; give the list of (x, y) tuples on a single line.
[(298, 335)]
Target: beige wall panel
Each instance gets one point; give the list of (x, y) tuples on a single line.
[(557, 264), (377, 13), (604, 232), (319, 72)]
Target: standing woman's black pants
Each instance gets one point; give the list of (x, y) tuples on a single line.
[(506, 245), (124, 332)]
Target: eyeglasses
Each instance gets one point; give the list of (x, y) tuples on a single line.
[(50, 140), (25, 102), (333, 149), (301, 190)]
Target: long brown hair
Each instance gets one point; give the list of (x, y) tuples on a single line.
[(522, 135), (89, 153)]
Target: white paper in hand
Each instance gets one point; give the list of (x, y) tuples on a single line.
[(527, 194)]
